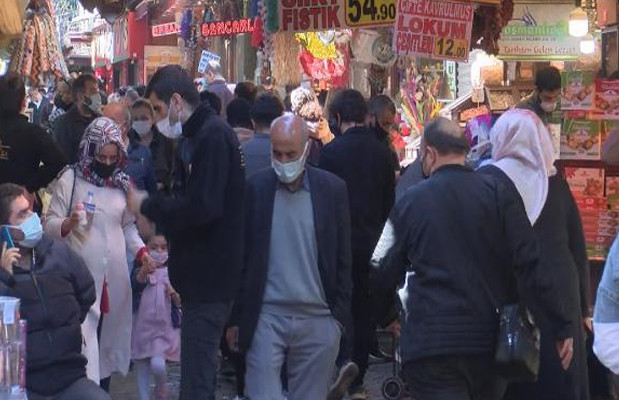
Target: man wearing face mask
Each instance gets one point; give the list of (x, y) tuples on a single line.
[(56, 291), (295, 293), (450, 239), (543, 101), (203, 223), (381, 118), (367, 168), (69, 128)]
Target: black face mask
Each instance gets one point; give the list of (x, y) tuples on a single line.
[(104, 171), (381, 134)]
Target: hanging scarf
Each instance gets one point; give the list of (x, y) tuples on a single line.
[(101, 132), (523, 149)]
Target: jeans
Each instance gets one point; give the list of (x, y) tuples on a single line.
[(82, 389), (201, 330), (454, 378)]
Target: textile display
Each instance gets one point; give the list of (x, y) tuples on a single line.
[(38, 54)]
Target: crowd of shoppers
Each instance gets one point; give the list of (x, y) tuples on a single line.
[(281, 232)]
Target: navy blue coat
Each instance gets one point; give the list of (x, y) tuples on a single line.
[(332, 224)]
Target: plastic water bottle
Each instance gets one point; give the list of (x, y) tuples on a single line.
[(89, 205)]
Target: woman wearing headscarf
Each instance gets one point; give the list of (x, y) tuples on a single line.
[(523, 158), (89, 210)]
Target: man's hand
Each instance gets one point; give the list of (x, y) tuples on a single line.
[(135, 198), (588, 322), (232, 338), (9, 257), (565, 348)]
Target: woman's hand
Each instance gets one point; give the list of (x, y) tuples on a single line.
[(9, 257), (74, 220)]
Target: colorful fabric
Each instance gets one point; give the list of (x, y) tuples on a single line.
[(333, 71), (320, 44), (101, 132), (38, 53), (522, 148)]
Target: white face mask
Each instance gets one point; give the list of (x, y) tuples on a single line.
[(170, 131), (290, 171), (548, 106), (95, 103), (142, 127)]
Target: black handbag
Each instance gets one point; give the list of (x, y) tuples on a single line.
[(518, 345)]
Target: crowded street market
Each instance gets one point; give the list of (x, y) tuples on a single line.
[(309, 199)]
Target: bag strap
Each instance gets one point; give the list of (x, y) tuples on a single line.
[(72, 192)]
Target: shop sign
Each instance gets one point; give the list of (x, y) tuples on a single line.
[(539, 32), (438, 30), (220, 28), (171, 28), (160, 56), (322, 15), (80, 50), (102, 46), (205, 58), (121, 40)]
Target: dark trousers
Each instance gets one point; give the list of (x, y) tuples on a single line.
[(454, 378), (202, 328), (363, 330), (82, 389)]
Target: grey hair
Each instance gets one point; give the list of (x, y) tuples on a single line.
[(214, 67)]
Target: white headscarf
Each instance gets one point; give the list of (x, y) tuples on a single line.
[(523, 149)]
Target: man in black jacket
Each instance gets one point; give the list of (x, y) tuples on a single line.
[(56, 291), (296, 287), (203, 224), (365, 164), (69, 128), (458, 239), (28, 155)]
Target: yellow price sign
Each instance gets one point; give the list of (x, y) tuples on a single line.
[(451, 49), (370, 12)]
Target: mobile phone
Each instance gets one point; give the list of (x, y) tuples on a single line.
[(6, 237)]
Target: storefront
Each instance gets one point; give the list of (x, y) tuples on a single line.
[(102, 53)]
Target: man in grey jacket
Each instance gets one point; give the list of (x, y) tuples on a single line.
[(216, 83)]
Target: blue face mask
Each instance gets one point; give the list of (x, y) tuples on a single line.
[(33, 231)]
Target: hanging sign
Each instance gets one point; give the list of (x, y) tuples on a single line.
[(205, 58), (221, 28), (438, 30), (370, 12), (171, 28), (539, 32), (322, 15)]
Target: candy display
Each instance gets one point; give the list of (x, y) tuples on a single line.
[(577, 90)]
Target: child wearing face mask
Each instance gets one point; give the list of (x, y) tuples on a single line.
[(155, 337)]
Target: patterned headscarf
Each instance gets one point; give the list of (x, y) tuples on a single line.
[(101, 132)]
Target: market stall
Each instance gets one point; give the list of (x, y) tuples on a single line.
[(38, 55)]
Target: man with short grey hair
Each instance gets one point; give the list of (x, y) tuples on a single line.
[(457, 240), (295, 292), (216, 83)]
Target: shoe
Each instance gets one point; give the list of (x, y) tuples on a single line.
[(359, 393), (345, 377), (378, 356)]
